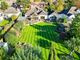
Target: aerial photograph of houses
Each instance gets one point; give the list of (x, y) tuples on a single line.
[(39, 29)]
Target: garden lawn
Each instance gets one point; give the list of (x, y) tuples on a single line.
[(41, 35)]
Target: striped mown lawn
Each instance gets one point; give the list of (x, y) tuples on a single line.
[(41, 35)]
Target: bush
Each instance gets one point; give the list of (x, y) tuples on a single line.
[(27, 52), (4, 6), (13, 17), (22, 52)]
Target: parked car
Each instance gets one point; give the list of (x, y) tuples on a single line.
[(53, 18)]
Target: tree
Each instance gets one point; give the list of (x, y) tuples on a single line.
[(27, 52), (4, 6), (77, 3), (69, 3), (72, 44), (59, 6), (13, 17), (21, 51), (25, 5), (75, 27), (49, 8)]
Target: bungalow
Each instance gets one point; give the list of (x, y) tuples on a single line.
[(42, 14), (57, 15), (11, 11), (68, 13), (36, 13), (72, 10), (53, 14), (71, 13)]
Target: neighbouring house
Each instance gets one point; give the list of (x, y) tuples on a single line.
[(61, 14), (36, 13), (53, 14), (72, 10), (30, 12), (42, 14), (69, 14), (11, 11), (57, 15)]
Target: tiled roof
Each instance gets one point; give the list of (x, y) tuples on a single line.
[(36, 11), (72, 10), (43, 13)]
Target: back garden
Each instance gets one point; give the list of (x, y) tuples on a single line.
[(44, 37)]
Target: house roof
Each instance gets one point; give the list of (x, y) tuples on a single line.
[(43, 13), (64, 11), (11, 10), (72, 10), (36, 11), (69, 14), (30, 12), (54, 14)]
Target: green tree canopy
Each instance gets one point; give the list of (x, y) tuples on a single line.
[(75, 27), (4, 6)]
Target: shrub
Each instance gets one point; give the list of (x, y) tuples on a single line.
[(22, 52), (13, 17)]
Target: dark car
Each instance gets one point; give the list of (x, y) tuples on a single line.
[(53, 18)]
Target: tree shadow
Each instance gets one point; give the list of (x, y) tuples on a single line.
[(47, 31), (44, 43), (48, 34)]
